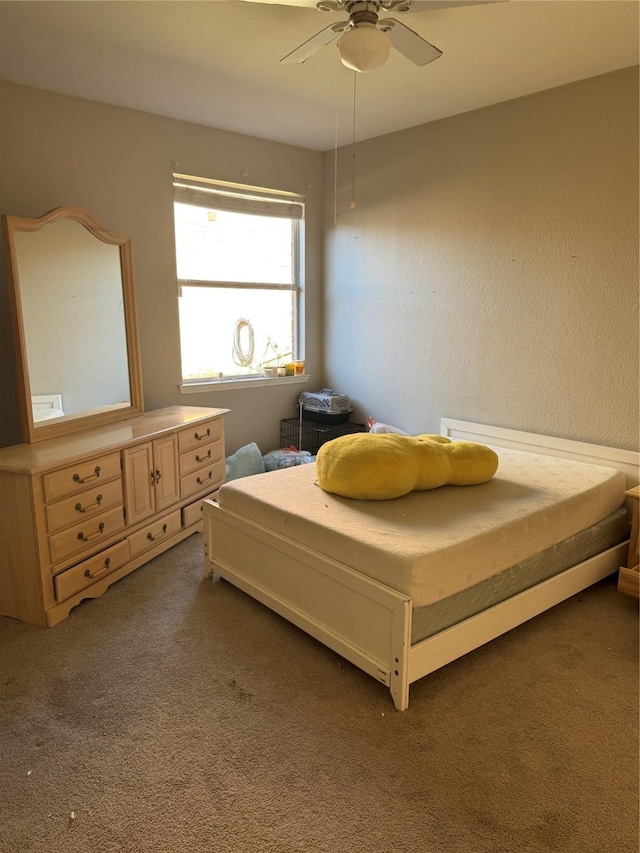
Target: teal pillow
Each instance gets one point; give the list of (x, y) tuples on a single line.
[(244, 462)]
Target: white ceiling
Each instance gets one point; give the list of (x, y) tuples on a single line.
[(216, 62)]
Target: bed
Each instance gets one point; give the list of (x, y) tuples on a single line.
[(401, 588)]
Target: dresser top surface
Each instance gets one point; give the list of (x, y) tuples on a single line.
[(32, 458)]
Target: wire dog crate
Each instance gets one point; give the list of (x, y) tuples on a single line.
[(307, 435)]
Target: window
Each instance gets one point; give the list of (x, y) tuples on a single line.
[(238, 266)]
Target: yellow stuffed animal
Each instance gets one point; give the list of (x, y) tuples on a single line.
[(377, 467)]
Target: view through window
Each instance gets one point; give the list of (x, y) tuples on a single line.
[(238, 267)]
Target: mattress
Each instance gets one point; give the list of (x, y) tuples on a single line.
[(433, 618), (433, 544)]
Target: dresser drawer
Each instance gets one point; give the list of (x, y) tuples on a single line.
[(192, 460), (199, 434), (83, 506), (192, 513), (206, 479), (77, 478), (84, 574), (87, 534), (155, 533)]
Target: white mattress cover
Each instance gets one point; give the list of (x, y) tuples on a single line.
[(432, 544)]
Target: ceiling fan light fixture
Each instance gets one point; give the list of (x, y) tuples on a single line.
[(364, 47)]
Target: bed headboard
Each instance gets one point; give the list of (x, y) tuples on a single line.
[(627, 461), (45, 406)]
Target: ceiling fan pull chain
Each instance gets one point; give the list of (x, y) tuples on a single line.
[(335, 148), (352, 203)]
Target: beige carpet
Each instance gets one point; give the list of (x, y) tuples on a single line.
[(176, 715)]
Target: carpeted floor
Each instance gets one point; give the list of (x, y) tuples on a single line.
[(177, 715)]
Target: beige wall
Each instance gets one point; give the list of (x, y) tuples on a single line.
[(117, 164), (489, 271)]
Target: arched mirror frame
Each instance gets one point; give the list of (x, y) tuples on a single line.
[(70, 425)]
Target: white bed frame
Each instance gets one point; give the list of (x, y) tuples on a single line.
[(369, 623)]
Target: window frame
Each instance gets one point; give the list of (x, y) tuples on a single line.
[(258, 198)]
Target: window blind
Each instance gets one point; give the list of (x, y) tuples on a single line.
[(227, 197)]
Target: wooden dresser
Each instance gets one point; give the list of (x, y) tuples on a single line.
[(79, 512)]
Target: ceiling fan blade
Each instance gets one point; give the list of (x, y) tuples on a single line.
[(408, 43), (422, 5), (388, 5), (308, 4), (309, 47)]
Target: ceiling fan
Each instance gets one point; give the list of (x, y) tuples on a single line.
[(365, 40)]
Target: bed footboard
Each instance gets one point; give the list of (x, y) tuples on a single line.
[(362, 620)]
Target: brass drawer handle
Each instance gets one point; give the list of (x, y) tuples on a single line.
[(79, 508), (84, 538), (89, 574), (202, 482), (204, 458), (153, 538), (96, 473), (203, 436)]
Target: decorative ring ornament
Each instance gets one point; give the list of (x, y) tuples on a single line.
[(243, 357)]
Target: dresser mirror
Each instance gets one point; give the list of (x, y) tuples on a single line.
[(74, 320)]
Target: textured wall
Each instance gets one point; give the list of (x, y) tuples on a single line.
[(117, 164), (489, 271)]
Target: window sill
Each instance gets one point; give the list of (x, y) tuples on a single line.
[(240, 383)]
